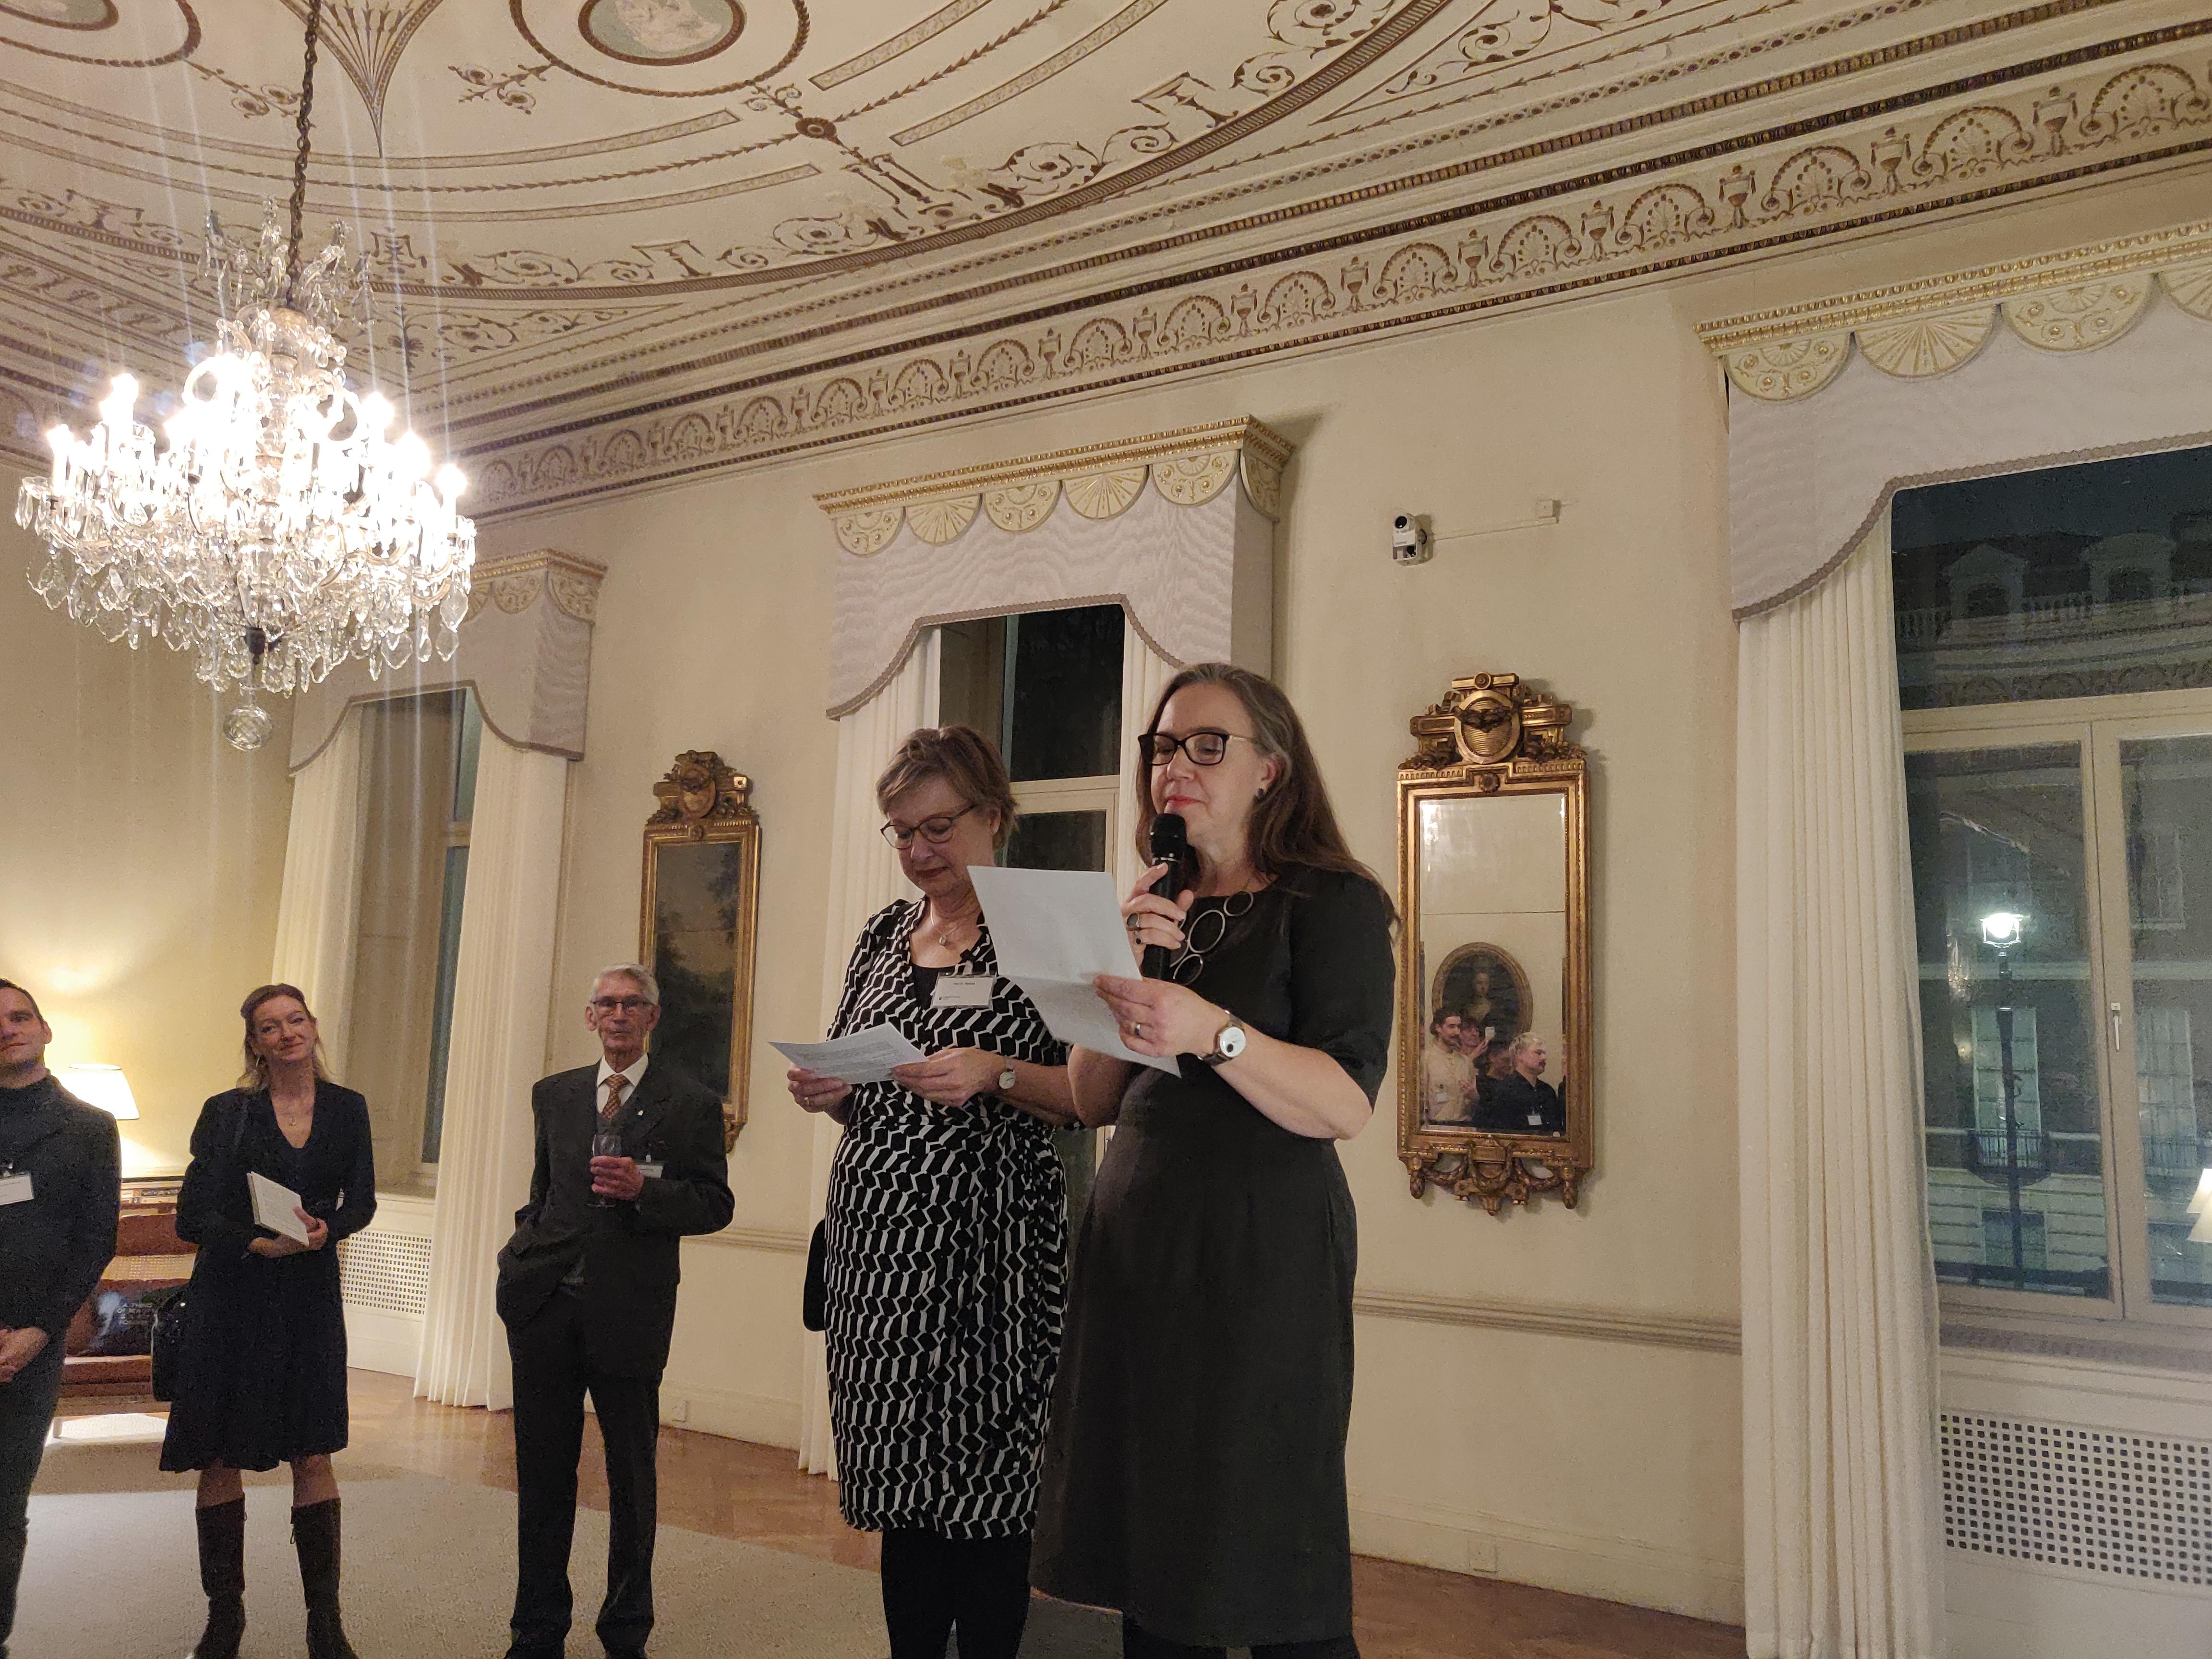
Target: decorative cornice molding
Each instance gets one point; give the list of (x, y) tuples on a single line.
[(2072, 300), (515, 581), (1187, 465), (1635, 220), (1699, 1332)]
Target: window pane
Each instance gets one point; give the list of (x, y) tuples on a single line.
[(2073, 581), (2015, 1183), (1064, 717), (2166, 789), (1058, 840)]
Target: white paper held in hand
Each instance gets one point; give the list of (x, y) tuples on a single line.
[(273, 1206), (861, 1057), (1055, 931)]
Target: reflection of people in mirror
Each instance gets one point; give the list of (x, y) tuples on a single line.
[(1449, 1065), (1486, 987), (1520, 1103)]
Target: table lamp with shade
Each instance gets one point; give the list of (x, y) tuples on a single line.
[(104, 1086)]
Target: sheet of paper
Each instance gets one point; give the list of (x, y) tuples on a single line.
[(1055, 931), (863, 1057), (273, 1206)]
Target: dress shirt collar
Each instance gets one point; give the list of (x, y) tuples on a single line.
[(632, 1075)]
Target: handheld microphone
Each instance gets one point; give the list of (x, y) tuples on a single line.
[(1170, 847)]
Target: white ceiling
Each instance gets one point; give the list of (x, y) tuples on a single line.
[(579, 210)]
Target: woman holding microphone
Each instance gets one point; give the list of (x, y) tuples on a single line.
[(1195, 1475), (946, 1224), (263, 1376)]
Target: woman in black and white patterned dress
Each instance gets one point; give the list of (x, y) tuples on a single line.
[(947, 1225)]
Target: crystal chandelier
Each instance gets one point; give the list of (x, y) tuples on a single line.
[(280, 530)]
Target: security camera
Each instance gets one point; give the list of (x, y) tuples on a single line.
[(1409, 540)]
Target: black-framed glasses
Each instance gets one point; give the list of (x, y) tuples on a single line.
[(1205, 748), (620, 1005), (936, 831)]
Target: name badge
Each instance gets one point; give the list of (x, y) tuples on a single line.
[(650, 1171), (964, 991), (15, 1189), (1536, 1120)]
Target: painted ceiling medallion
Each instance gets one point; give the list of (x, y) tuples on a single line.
[(2076, 318), (666, 48), (1917, 347), (661, 32)]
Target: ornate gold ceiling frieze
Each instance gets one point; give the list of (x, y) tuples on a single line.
[(2068, 301), (1631, 222), (1188, 465)]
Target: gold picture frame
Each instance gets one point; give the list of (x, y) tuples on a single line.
[(1493, 884), (698, 922)]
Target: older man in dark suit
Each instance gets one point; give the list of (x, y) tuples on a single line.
[(587, 1289)]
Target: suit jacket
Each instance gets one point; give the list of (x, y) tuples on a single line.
[(629, 1251), (53, 1248)]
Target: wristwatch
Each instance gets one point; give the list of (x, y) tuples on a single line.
[(1228, 1044), (1006, 1078)]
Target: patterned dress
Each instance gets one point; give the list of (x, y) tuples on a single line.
[(947, 1235)]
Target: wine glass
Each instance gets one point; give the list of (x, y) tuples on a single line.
[(606, 1142)]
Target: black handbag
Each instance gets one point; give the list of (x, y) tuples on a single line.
[(173, 1309), (814, 1298)]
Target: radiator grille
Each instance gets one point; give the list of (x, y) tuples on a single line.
[(2135, 1505), (388, 1272)]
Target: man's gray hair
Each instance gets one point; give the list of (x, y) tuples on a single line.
[(638, 973), (1525, 1042)]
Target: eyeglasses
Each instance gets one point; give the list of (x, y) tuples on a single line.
[(620, 1005), (936, 831), (1205, 748)]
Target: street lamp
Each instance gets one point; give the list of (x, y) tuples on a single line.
[(2001, 932)]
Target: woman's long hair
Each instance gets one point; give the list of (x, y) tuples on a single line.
[(255, 1078), (1292, 826)]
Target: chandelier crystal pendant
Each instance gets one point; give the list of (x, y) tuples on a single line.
[(280, 530)]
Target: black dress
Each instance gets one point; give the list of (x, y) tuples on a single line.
[(1195, 1475), (947, 1232), (264, 1378)]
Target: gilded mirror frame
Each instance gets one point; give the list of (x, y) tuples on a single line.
[(1494, 735), (703, 802)]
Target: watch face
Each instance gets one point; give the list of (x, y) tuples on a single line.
[(1230, 1043)]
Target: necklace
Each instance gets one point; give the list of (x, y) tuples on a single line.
[(1187, 964), (949, 928)]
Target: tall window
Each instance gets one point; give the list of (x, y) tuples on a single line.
[(1047, 685), (2055, 662), (418, 789)]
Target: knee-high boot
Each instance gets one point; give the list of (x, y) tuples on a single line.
[(315, 1536), (222, 1576)]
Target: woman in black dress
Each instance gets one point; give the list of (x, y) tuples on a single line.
[(1195, 1475), (263, 1376), (947, 1225)]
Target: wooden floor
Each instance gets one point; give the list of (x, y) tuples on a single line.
[(730, 1489)]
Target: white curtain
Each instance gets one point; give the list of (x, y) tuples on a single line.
[(1842, 1535), (319, 912), (1144, 675), (502, 986), (864, 877)]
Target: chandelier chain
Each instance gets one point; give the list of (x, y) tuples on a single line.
[(298, 204)]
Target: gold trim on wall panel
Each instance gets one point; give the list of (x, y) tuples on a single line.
[(1700, 1333)]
